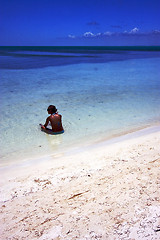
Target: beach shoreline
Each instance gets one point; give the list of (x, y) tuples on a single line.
[(80, 147), (110, 190)]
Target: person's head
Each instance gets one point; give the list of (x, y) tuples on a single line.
[(51, 109)]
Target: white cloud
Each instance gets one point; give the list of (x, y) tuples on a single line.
[(156, 31), (108, 33), (134, 30), (98, 34), (71, 36), (88, 34)]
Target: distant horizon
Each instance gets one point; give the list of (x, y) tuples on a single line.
[(79, 45)]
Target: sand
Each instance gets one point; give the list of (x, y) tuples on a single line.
[(109, 190)]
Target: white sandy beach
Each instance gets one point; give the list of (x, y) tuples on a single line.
[(110, 191)]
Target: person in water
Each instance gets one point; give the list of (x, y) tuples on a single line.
[(55, 120)]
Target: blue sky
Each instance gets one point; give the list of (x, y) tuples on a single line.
[(79, 22)]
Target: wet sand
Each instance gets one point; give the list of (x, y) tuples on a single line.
[(109, 190)]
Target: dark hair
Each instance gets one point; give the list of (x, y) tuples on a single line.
[(52, 108)]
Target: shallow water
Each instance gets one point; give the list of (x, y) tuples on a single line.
[(96, 100)]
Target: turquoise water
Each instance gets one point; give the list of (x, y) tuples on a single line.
[(97, 99)]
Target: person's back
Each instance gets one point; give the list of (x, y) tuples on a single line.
[(55, 120)]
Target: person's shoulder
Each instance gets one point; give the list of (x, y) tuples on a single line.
[(58, 114)]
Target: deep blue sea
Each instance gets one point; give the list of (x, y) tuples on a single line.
[(100, 92)]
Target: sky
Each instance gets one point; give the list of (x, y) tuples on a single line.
[(79, 22)]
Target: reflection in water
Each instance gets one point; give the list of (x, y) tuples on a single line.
[(54, 141)]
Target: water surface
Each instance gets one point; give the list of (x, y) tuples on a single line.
[(100, 92)]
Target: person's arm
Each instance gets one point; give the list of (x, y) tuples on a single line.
[(46, 124)]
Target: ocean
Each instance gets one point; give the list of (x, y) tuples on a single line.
[(101, 92)]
